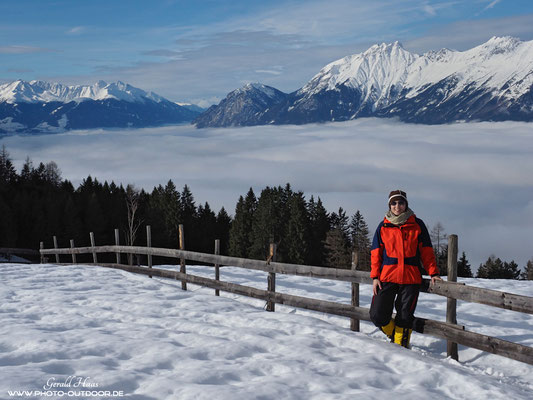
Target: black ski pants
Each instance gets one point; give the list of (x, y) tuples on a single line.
[(402, 297)]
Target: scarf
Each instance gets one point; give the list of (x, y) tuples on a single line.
[(399, 219)]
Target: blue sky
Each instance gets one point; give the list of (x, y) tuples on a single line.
[(198, 51)]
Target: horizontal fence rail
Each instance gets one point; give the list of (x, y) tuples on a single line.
[(9, 250), (507, 301)]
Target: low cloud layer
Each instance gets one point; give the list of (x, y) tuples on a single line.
[(473, 178)]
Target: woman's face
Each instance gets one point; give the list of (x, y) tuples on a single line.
[(398, 206)]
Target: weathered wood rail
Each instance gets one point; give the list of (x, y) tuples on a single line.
[(10, 250), (445, 330), (27, 253)]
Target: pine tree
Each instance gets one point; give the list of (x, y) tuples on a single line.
[(495, 268), (360, 240), (206, 227), (188, 215), (528, 271), (319, 226), (27, 171), (8, 226), (222, 230), (94, 217), (463, 267), (268, 224), (8, 175), (297, 238), (337, 250), (240, 236), (338, 241)]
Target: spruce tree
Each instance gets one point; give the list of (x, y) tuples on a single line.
[(222, 230), (8, 174), (206, 225), (319, 227), (463, 267), (297, 238), (528, 271), (495, 268), (8, 226), (240, 236), (268, 224), (337, 249), (360, 240), (338, 241)]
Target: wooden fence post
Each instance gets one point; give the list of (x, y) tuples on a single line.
[(354, 323), (270, 306), (91, 235), (117, 242), (73, 254), (217, 266), (183, 268), (55, 247), (41, 245), (149, 244), (451, 304)]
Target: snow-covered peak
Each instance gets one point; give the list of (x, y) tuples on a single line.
[(39, 91), (259, 87), (500, 45), (376, 72)]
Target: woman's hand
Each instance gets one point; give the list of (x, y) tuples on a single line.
[(435, 278), (375, 285)]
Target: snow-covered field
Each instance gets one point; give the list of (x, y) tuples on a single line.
[(83, 332)]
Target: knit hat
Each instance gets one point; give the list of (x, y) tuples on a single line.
[(398, 195)]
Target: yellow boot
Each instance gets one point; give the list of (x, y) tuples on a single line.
[(402, 336), (389, 330)]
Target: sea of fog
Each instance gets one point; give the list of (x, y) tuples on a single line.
[(473, 178)]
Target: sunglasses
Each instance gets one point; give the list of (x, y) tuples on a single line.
[(399, 202)]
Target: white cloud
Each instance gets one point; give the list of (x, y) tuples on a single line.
[(492, 4), (474, 178), (77, 30)]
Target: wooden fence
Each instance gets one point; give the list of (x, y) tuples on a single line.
[(27, 253), (449, 330)]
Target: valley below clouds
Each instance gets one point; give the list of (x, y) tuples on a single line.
[(474, 178)]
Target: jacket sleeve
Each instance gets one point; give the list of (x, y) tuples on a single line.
[(376, 254), (426, 250)]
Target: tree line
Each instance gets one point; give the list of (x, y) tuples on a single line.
[(37, 204)]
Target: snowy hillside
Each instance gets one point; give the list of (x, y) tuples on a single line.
[(110, 330)]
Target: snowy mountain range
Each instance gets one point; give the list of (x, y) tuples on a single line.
[(37, 106), (490, 82)]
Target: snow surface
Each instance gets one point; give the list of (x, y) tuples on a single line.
[(151, 340), (39, 91)]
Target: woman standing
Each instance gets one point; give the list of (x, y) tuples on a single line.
[(401, 244)]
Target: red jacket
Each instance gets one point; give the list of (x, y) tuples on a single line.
[(398, 251)]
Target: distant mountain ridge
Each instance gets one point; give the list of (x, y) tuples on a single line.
[(45, 107), (242, 107), (490, 82)]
